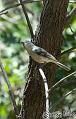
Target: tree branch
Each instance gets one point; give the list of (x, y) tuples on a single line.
[(3, 13), (16, 5), (70, 16), (68, 51), (27, 18), (46, 91), (72, 1), (10, 90), (74, 33), (59, 82), (68, 83)]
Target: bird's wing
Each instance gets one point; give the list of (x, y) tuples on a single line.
[(42, 52)]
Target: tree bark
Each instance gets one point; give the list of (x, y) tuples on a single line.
[(48, 36)]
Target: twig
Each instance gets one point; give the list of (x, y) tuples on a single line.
[(68, 51), (10, 89), (72, 91), (71, 29), (59, 82), (74, 33), (46, 91), (70, 16), (3, 13), (27, 18), (72, 1), (68, 83), (16, 5)]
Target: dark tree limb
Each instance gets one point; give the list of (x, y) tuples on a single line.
[(68, 51), (10, 90), (18, 4), (27, 18)]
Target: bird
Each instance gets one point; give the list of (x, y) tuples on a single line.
[(41, 56)]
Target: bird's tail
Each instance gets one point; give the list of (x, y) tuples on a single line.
[(63, 66)]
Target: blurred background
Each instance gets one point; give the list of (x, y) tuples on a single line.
[(13, 29)]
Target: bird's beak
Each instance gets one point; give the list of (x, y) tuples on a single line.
[(23, 43)]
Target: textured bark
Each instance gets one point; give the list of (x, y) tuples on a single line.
[(48, 36)]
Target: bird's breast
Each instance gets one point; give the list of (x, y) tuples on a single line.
[(39, 59)]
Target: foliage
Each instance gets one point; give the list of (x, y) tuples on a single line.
[(13, 29)]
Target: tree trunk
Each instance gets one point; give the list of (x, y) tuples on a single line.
[(48, 36)]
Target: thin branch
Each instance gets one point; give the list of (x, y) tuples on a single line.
[(3, 13), (46, 91), (71, 29), (61, 99), (29, 11), (59, 82), (70, 16), (10, 89), (74, 33), (27, 18), (68, 83), (68, 51), (72, 1), (16, 5)]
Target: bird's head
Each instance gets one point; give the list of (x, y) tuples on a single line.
[(28, 45)]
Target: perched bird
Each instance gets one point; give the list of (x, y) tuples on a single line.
[(41, 56)]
